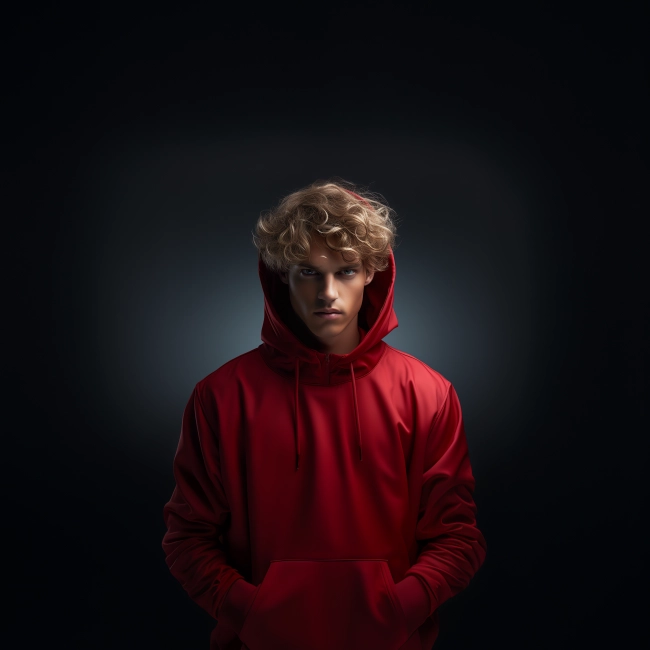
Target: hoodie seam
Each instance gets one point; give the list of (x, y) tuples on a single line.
[(200, 402), (440, 411)]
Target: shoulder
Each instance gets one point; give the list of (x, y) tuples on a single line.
[(423, 375), (226, 375)]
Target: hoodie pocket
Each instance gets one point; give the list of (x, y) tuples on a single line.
[(324, 604)]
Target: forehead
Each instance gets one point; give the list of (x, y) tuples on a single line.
[(321, 255)]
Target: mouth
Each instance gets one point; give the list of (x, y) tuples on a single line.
[(328, 313)]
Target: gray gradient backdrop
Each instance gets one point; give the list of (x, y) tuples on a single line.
[(513, 150)]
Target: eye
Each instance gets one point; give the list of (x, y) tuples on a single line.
[(349, 273)]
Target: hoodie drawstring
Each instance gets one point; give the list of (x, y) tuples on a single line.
[(297, 410), (296, 416), (356, 409)]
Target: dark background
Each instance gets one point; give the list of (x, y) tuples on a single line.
[(143, 144)]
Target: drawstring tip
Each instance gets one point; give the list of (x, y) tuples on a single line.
[(297, 461), (360, 457)]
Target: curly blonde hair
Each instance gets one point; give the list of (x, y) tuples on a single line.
[(363, 225)]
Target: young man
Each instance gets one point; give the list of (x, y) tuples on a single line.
[(323, 493)]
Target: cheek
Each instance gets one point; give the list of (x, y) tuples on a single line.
[(301, 294), (354, 299)]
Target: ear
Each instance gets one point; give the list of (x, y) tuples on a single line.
[(369, 276), (284, 276)]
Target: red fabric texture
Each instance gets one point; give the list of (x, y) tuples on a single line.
[(323, 501)]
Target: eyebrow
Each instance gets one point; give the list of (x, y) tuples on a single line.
[(345, 266)]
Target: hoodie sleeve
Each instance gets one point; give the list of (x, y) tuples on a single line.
[(197, 514), (452, 547)]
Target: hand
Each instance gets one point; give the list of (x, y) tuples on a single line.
[(237, 603), (414, 601)]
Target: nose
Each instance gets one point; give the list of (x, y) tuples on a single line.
[(328, 292)]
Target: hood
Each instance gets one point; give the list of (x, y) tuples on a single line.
[(290, 348)]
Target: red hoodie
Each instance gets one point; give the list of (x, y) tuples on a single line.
[(332, 492)]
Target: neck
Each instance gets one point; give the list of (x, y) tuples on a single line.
[(344, 342)]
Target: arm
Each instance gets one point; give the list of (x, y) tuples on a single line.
[(452, 547), (195, 516)]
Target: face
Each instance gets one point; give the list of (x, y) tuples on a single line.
[(326, 281)]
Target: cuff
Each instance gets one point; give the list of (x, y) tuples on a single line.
[(235, 605), (414, 600)]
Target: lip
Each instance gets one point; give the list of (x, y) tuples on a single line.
[(328, 315)]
